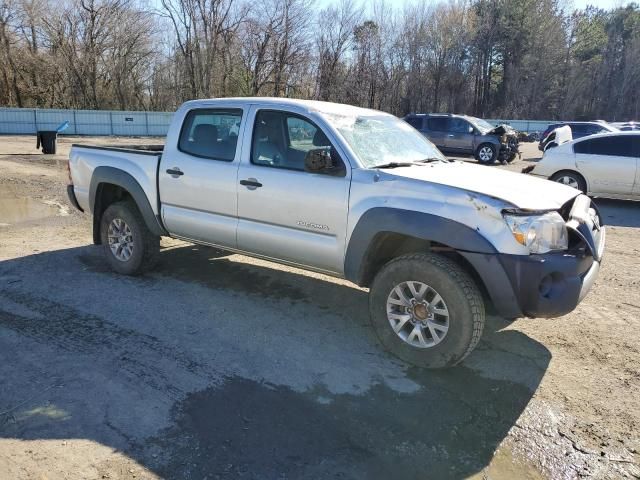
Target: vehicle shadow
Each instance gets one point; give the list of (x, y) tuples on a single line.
[(619, 213), (215, 365)]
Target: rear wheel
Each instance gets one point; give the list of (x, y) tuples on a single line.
[(572, 179), (426, 310), (129, 246), (486, 153)]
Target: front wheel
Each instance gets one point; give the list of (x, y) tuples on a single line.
[(426, 310), (129, 245), (486, 153)]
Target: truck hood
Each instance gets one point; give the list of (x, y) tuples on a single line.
[(520, 190)]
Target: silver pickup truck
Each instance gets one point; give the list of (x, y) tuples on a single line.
[(353, 193)]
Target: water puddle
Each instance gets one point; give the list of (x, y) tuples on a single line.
[(14, 209)]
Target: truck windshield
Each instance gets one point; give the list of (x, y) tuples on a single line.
[(383, 139)]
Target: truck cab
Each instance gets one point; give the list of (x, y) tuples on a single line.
[(353, 193)]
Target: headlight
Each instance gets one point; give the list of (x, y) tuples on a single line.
[(540, 233)]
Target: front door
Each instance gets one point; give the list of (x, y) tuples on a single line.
[(460, 135), (198, 177), (284, 212), (608, 163)]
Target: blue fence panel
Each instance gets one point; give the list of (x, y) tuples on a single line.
[(93, 122), (17, 121), (158, 122), (129, 123), (51, 119), (104, 122)]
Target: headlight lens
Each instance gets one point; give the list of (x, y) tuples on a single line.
[(540, 233)]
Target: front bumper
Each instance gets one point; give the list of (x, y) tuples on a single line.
[(508, 151), (546, 285)]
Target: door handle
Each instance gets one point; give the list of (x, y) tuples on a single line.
[(251, 183), (175, 172), (451, 135)]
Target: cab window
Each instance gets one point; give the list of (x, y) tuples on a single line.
[(282, 140), (211, 134)]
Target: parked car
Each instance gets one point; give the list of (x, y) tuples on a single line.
[(467, 135), (578, 130), (556, 137), (362, 196), (607, 165)]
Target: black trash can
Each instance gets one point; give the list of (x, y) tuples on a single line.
[(47, 138)]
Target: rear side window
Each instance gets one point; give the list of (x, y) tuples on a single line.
[(211, 133), (621, 146), (415, 122), (437, 124)]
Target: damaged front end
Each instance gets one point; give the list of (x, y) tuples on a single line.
[(509, 144)]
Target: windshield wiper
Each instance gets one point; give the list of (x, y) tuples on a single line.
[(432, 160), (395, 165)]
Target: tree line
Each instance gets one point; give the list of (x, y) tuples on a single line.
[(491, 58)]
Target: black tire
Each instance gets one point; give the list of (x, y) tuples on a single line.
[(146, 245), (460, 294), (512, 157), (482, 151), (568, 174)]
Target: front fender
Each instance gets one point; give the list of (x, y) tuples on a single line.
[(419, 225)]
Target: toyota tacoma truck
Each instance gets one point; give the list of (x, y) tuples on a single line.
[(357, 194)]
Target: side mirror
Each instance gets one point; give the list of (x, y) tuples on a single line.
[(319, 161), (471, 129)]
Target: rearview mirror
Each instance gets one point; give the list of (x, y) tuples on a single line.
[(319, 160)]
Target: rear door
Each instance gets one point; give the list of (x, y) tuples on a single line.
[(437, 130), (460, 135), (608, 163), (284, 212), (198, 177)]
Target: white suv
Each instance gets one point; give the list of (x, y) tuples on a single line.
[(607, 165)]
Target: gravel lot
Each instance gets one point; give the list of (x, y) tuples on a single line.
[(223, 366)]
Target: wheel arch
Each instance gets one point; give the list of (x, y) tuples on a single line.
[(109, 185), (575, 172), (406, 232)]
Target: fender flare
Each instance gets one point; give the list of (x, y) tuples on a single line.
[(419, 225), (126, 181)]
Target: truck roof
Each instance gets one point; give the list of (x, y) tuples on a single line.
[(308, 105)]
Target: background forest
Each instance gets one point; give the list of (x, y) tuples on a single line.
[(533, 59)]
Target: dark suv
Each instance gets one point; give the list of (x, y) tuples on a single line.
[(467, 135), (578, 130)]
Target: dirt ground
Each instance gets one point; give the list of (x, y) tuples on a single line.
[(221, 366)]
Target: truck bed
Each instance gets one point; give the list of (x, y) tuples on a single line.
[(139, 149)]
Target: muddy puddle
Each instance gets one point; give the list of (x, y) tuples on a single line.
[(15, 209)]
